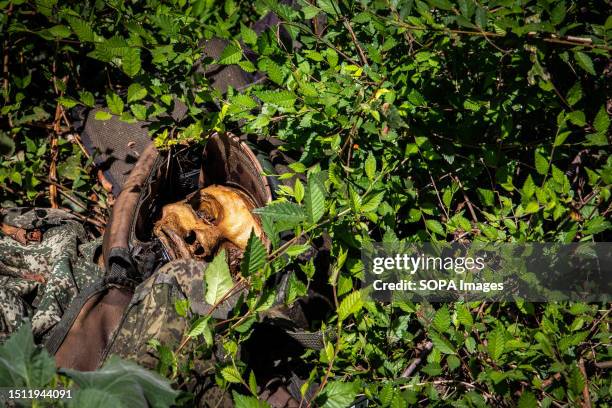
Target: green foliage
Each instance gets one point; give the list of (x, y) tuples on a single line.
[(410, 120), (218, 279), (120, 383)]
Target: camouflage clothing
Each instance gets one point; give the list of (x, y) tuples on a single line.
[(38, 280), (151, 313)]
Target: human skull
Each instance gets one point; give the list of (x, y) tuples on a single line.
[(213, 218)]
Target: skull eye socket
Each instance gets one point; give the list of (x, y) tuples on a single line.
[(190, 238)]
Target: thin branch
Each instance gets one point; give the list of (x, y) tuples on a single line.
[(362, 56), (417, 361)]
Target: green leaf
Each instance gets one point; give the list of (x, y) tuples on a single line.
[(87, 98), (328, 6), (464, 316), (373, 202), (218, 279), (67, 102), (286, 212), (115, 104), (284, 99), (244, 401), (59, 31), (22, 363), (298, 191), (527, 400), (231, 55), (351, 304), (295, 250), (310, 11), (274, 71), (574, 95), (135, 93), (338, 394), (121, 381), (585, 62), (81, 28), (441, 343), (370, 166), (314, 198), (602, 121), (496, 343), (557, 15), (248, 35), (541, 163), (254, 257), (230, 374), (130, 63), (442, 320), (103, 115), (199, 326), (435, 227)]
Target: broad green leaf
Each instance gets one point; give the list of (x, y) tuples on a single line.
[(244, 401), (464, 316), (254, 257), (135, 93), (370, 166), (248, 35), (338, 394), (286, 212), (103, 115), (87, 98), (351, 304), (328, 6), (285, 99), (115, 104), (314, 198), (124, 381), (442, 319), (295, 250), (22, 363), (496, 343), (130, 63), (218, 279), (585, 62), (67, 102), (435, 227), (373, 202), (230, 55), (274, 71), (602, 121), (230, 374), (574, 95), (81, 28), (527, 400), (441, 343), (298, 191), (541, 163)]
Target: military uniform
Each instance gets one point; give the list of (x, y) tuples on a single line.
[(38, 280)]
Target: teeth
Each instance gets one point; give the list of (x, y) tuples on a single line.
[(195, 229)]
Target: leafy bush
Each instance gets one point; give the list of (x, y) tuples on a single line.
[(414, 120)]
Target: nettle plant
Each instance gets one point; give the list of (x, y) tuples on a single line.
[(409, 120)]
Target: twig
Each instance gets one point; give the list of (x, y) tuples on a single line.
[(585, 389), (604, 365), (467, 200), (5, 61), (417, 361), (362, 56)]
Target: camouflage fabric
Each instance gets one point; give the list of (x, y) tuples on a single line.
[(152, 315), (38, 280)]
